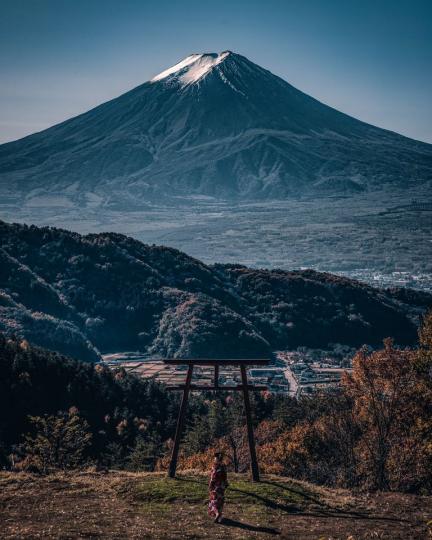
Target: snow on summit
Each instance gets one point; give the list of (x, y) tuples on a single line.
[(213, 125), (177, 67), (192, 68)]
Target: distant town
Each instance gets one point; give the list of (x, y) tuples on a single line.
[(420, 281), (295, 373)]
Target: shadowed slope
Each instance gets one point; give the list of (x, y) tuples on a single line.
[(120, 294), (215, 124)]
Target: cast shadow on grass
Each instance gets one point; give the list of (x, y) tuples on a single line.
[(323, 511), (247, 527)]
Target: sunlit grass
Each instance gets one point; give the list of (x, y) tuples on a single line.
[(193, 489)]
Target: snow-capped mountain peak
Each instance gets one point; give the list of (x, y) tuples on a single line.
[(213, 125), (192, 68)]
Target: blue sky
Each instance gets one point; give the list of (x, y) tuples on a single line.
[(370, 59)]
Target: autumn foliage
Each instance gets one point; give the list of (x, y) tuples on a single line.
[(374, 433)]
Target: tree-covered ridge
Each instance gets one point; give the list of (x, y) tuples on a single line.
[(319, 308), (80, 294)]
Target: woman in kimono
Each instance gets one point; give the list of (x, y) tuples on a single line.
[(217, 485)]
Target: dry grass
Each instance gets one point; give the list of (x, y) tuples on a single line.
[(144, 505)]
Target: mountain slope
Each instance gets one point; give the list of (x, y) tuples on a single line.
[(115, 293), (216, 125)]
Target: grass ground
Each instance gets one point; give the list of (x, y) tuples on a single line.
[(151, 506)]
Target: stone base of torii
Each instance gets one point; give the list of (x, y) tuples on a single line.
[(243, 387)]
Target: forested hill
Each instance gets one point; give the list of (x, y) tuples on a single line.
[(104, 292)]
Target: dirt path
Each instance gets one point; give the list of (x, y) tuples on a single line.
[(128, 505)]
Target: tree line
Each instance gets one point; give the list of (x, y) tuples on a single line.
[(373, 432)]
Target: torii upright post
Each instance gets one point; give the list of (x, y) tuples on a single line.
[(250, 431), (180, 423), (188, 386)]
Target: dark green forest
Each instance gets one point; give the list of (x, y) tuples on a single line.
[(129, 421), (83, 295)]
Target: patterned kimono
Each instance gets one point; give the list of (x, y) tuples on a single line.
[(217, 485)]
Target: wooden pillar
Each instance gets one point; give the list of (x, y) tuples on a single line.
[(180, 424), (250, 431), (216, 376)]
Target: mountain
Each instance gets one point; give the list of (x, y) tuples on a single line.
[(212, 125), (107, 292)]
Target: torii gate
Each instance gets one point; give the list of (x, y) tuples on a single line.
[(244, 387)]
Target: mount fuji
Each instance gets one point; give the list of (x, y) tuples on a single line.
[(214, 125)]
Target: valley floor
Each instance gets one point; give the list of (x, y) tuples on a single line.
[(149, 505), (382, 238)]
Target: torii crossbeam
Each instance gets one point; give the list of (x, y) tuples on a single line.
[(187, 387)]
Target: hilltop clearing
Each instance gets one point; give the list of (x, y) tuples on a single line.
[(148, 505)]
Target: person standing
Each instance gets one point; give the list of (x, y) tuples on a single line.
[(217, 485)]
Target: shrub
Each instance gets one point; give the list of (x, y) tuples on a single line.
[(57, 442)]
